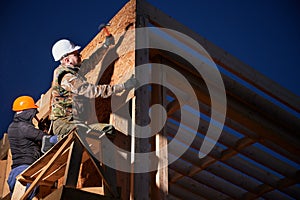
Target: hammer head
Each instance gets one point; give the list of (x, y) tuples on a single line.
[(103, 25)]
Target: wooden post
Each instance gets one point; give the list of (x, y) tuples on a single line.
[(159, 97), (141, 185), (73, 164), (5, 167)]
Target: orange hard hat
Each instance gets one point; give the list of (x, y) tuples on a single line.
[(23, 103)]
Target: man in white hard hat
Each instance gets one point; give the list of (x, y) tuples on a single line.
[(69, 88)]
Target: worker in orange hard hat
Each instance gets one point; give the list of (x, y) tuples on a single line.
[(23, 103), (24, 138)]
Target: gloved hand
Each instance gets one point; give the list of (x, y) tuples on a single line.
[(131, 83), (109, 40)]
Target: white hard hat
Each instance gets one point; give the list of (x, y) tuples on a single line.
[(63, 47)]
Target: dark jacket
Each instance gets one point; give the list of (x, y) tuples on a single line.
[(24, 138)]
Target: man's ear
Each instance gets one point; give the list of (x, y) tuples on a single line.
[(65, 60)]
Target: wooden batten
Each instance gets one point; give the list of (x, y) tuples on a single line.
[(5, 166), (223, 58)]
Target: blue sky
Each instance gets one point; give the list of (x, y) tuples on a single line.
[(263, 34)]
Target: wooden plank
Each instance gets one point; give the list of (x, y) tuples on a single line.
[(205, 189), (244, 95), (56, 194), (250, 151), (219, 184), (73, 164), (161, 142), (191, 155), (180, 168), (142, 181), (252, 121), (46, 168), (19, 191), (293, 191), (238, 164), (253, 170), (171, 197), (4, 146), (5, 166), (224, 59), (55, 172), (281, 151), (250, 169), (271, 162), (233, 176), (6, 190), (96, 190), (281, 186), (123, 178), (248, 118), (106, 180), (242, 130), (42, 161), (3, 183), (44, 105), (110, 171), (65, 193), (182, 193)]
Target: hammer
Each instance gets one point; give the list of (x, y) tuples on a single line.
[(104, 27)]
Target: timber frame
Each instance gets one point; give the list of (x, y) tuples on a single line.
[(257, 154)]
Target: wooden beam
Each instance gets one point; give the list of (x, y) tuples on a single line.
[(55, 172), (184, 193), (219, 184), (246, 117), (19, 190), (253, 170), (161, 141), (4, 146), (73, 164), (111, 187), (271, 162), (236, 127), (5, 168), (242, 146), (142, 181), (202, 191), (235, 162), (224, 59), (246, 96), (233, 176), (46, 168), (65, 193), (44, 105)]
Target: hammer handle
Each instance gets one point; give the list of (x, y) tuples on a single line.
[(106, 31)]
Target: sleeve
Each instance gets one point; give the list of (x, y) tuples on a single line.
[(79, 86), (33, 133), (94, 59)]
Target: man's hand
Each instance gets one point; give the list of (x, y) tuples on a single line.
[(109, 40), (43, 125), (131, 83)]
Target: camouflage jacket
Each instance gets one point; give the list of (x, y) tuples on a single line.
[(70, 90)]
